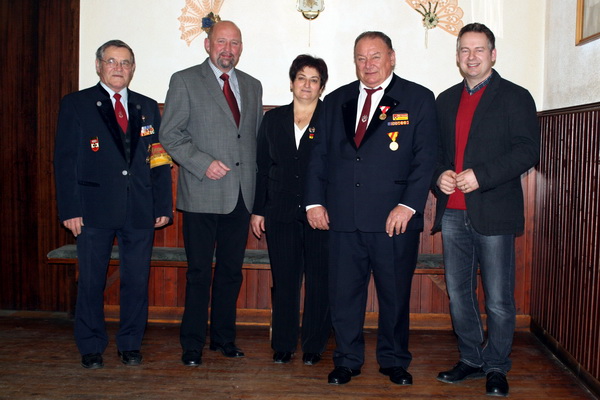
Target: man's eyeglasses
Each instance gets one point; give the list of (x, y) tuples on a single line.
[(112, 63)]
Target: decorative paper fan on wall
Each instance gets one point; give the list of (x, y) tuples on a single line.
[(445, 14), (198, 16)]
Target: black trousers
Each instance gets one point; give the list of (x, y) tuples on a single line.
[(94, 246), (201, 233), (353, 256), (296, 251)]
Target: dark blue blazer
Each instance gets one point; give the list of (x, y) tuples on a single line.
[(503, 143), (359, 187), (94, 179), (281, 174)]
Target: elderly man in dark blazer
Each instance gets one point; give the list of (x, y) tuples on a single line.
[(212, 114), (368, 182), (112, 179), (489, 136)]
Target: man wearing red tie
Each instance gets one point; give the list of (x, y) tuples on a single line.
[(369, 175), (212, 114), (113, 178)]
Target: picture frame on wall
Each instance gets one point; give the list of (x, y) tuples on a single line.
[(588, 21)]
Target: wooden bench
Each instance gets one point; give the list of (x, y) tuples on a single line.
[(429, 264), (255, 261)]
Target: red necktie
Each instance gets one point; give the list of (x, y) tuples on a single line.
[(364, 117), (120, 113), (229, 96)]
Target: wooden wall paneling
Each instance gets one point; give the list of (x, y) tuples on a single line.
[(18, 123), (34, 45), (565, 284)]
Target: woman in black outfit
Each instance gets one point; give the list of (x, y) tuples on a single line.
[(295, 249)]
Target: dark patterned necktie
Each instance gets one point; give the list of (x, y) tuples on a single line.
[(364, 117), (229, 96)]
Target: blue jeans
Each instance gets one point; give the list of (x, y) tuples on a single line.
[(464, 250)]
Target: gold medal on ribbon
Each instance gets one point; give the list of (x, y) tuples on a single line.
[(384, 110), (394, 145)]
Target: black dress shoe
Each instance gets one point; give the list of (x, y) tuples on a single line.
[(311, 358), (496, 384), (398, 375), (191, 358), (228, 349), (342, 375), (133, 357), (282, 357), (460, 372), (92, 361)]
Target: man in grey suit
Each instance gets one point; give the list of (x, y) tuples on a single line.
[(212, 114)]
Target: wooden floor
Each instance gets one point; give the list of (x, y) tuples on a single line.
[(39, 360)]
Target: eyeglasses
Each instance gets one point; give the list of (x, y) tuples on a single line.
[(112, 63)]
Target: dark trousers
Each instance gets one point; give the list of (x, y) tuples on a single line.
[(353, 256), (201, 232), (296, 251), (93, 252)]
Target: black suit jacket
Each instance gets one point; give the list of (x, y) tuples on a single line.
[(359, 187), (94, 179), (282, 167), (503, 143)]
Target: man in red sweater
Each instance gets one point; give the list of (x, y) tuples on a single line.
[(489, 136)]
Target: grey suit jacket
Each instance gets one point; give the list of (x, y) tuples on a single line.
[(198, 128)]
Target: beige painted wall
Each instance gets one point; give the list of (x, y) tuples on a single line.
[(274, 33), (572, 72)]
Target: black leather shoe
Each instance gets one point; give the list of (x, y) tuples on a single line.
[(92, 361), (311, 358), (228, 349), (342, 375), (191, 358), (496, 384), (460, 372), (282, 357), (398, 375), (133, 357)]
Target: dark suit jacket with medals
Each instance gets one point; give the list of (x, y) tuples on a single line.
[(503, 143), (282, 167), (359, 187), (94, 178)]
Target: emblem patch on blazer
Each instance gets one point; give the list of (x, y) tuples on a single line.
[(158, 156), (147, 130), (95, 143)]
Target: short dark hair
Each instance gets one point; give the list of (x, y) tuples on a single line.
[(375, 35), (113, 43), (479, 28), (303, 61)]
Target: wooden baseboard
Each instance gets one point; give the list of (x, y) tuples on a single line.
[(255, 317), (566, 358)]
